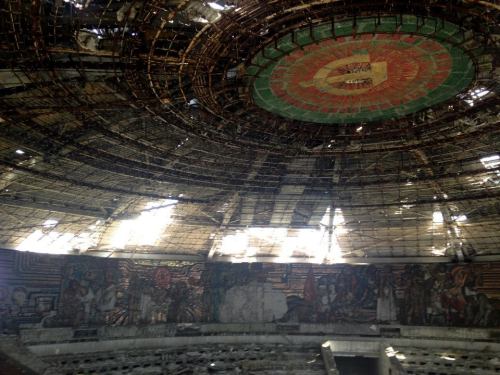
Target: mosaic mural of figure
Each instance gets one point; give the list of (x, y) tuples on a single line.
[(88, 295), (478, 310), (386, 301), (436, 312), (19, 298), (78, 302), (304, 308), (165, 296), (105, 296), (348, 294), (453, 296), (413, 307)]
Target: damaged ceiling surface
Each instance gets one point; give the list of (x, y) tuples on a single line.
[(286, 131)]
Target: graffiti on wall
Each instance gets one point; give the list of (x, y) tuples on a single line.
[(48, 291)]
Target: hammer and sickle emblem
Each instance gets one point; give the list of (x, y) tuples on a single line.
[(375, 72)]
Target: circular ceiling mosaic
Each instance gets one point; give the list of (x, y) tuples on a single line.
[(320, 75)]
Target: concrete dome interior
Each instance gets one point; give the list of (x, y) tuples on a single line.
[(316, 168)]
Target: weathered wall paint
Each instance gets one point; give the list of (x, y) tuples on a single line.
[(54, 291)]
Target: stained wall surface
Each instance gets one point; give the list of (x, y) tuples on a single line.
[(55, 291)]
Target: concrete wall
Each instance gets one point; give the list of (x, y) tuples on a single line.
[(429, 352)]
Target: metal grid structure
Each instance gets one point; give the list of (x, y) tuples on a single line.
[(109, 105)]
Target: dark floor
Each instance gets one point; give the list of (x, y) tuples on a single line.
[(9, 367), (357, 365)]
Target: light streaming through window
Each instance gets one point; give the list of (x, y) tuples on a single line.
[(146, 229), (50, 240), (79, 4), (491, 162), (286, 243), (437, 217), (476, 95)]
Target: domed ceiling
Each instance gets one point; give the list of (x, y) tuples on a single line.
[(283, 130), (329, 74)]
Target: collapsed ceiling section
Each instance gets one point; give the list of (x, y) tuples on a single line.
[(321, 131)]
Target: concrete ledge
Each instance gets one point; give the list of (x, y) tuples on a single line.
[(363, 346), (362, 339), (68, 334)]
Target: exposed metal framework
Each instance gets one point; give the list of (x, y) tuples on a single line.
[(107, 105)]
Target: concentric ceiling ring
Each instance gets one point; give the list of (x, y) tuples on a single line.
[(327, 74), (208, 88)]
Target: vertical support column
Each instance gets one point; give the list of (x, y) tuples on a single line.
[(329, 360)]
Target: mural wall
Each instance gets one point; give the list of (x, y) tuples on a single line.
[(53, 291)]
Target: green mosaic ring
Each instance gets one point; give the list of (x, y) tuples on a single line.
[(384, 71)]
